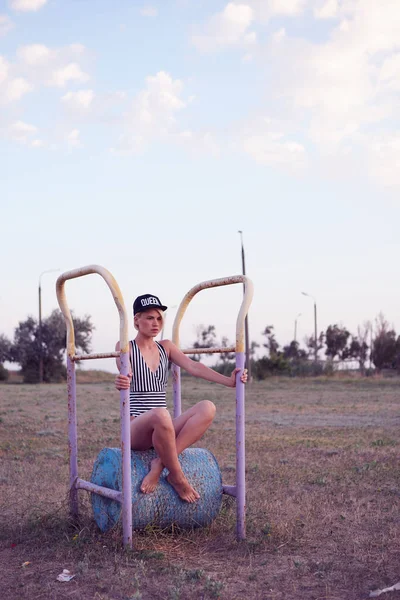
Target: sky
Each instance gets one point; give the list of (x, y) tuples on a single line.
[(143, 136)]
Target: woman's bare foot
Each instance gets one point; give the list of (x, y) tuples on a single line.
[(183, 488), (150, 482)]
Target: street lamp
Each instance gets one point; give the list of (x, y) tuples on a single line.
[(315, 325), (40, 324), (295, 327), (246, 321)]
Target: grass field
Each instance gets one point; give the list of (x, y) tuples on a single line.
[(323, 519)]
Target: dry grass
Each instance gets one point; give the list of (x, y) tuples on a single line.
[(323, 498)]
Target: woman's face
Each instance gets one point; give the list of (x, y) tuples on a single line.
[(149, 322)]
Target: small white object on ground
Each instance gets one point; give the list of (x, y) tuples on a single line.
[(65, 576), (393, 588)]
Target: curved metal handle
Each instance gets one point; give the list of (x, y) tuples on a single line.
[(247, 298), (117, 295)]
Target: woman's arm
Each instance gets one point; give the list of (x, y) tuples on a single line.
[(198, 369)]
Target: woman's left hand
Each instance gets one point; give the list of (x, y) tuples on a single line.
[(243, 377)]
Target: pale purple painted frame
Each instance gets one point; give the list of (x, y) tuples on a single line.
[(124, 496), (239, 490)]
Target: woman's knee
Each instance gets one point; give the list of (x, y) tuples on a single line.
[(208, 409), (160, 417)]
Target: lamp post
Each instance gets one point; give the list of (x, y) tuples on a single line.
[(295, 327), (246, 321), (315, 325), (40, 324)]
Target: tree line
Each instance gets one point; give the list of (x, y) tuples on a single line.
[(374, 348), (49, 341)]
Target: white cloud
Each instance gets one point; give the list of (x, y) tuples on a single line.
[(4, 69), (344, 89), (37, 143), (267, 143), (227, 28), (152, 114), (389, 74), (11, 88), (5, 25), (148, 11), (16, 88), (384, 158), (27, 5), (200, 142), (42, 65), (21, 132), (73, 139), (70, 72), (248, 57), (77, 49), (288, 8), (80, 99), (273, 151), (326, 9), (35, 54), (265, 10)]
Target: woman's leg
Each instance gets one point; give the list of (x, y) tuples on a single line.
[(189, 428), (155, 428)]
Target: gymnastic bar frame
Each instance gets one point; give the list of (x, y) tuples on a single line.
[(124, 496), (239, 490)]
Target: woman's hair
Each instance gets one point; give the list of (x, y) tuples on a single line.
[(138, 316)]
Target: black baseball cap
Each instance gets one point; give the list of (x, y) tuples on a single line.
[(146, 302)]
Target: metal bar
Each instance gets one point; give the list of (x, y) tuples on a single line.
[(126, 457), (124, 395), (72, 438), (240, 453), (240, 491), (247, 297), (116, 293), (208, 350), (78, 357), (176, 386), (229, 489), (99, 489)]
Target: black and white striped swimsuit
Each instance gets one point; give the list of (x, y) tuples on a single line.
[(147, 389)]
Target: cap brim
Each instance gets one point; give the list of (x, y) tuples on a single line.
[(163, 308)]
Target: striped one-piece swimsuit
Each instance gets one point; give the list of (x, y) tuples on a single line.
[(147, 389)]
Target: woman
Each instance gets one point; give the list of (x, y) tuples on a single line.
[(151, 423)]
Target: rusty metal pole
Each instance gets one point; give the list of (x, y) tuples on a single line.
[(295, 327), (246, 322), (315, 326), (40, 336)]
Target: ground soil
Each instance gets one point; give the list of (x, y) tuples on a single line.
[(323, 498)]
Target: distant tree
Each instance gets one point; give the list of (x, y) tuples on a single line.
[(336, 341), (358, 347), (253, 347), (226, 357), (206, 338), (294, 352), (310, 344), (25, 349), (357, 350), (271, 345), (386, 346), (5, 349)]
